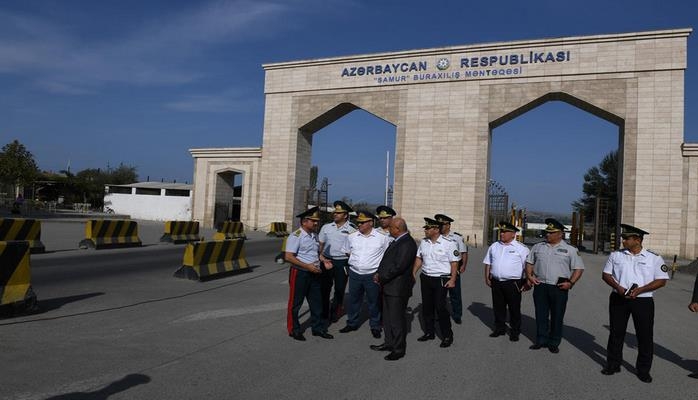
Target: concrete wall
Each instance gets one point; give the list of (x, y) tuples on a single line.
[(150, 207)]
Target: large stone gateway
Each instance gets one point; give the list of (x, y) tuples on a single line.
[(444, 104)]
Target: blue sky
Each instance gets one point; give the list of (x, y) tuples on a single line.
[(99, 83)]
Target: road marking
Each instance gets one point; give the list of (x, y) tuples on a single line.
[(233, 312)]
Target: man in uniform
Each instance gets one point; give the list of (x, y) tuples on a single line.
[(332, 237), (365, 248), (385, 216), (693, 306), (552, 268), (455, 294), (505, 263), (438, 258), (634, 273), (395, 276), (302, 251)]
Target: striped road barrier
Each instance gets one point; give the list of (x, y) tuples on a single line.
[(278, 229), (22, 229), (110, 233), (205, 259), (281, 257), (15, 275), (181, 232), (230, 230)]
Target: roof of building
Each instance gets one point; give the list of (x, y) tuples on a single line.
[(159, 185)]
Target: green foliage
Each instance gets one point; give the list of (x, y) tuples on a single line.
[(86, 186), (601, 181), (17, 165)]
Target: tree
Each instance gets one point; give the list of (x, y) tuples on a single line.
[(17, 165), (601, 181)]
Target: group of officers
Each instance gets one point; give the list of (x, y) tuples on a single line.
[(382, 263)]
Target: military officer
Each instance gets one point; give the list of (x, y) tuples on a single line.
[(302, 251), (335, 261), (552, 268), (455, 293), (634, 273), (438, 258), (385, 216), (505, 264)]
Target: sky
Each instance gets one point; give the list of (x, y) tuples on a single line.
[(93, 84)]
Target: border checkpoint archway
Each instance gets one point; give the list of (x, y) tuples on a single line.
[(444, 103)]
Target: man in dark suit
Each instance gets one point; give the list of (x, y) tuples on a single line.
[(395, 275)]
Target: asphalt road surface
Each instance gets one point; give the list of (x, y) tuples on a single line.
[(116, 324)]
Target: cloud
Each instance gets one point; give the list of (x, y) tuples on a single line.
[(213, 103), (159, 52)]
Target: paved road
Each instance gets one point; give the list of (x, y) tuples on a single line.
[(115, 324)]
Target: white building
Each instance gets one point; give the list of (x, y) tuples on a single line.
[(154, 201)]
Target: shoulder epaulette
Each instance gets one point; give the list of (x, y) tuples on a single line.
[(652, 251), (456, 233), (297, 233), (447, 239), (353, 226)]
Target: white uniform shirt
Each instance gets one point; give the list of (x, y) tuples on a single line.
[(334, 237), (437, 256), (365, 251), (628, 268), (304, 245), (458, 240), (506, 260)]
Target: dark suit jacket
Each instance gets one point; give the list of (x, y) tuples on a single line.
[(395, 269), (695, 292)]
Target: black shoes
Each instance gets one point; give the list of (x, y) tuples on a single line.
[(458, 321), (323, 335), (514, 337), (610, 370), (693, 375), (376, 333), (425, 337), (645, 378), (348, 329), (393, 356), (380, 347), (446, 342), (536, 346), (297, 336), (554, 349), (497, 333)]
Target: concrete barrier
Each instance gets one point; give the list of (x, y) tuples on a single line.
[(110, 233), (181, 232), (15, 276), (278, 229), (206, 259), (22, 229), (230, 230)]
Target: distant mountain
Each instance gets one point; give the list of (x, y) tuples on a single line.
[(540, 216)]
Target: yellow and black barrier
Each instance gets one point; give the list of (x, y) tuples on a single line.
[(205, 259), (278, 229), (110, 233), (22, 229), (15, 275), (181, 232), (281, 257), (230, 230)]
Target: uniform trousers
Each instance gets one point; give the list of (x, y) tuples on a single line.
[(550, 303), (304, 285), (358, 285), (505, 294), (434, 299), (326, 282), (339, 270), (395, 322), (456, 296), (642, 310)]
